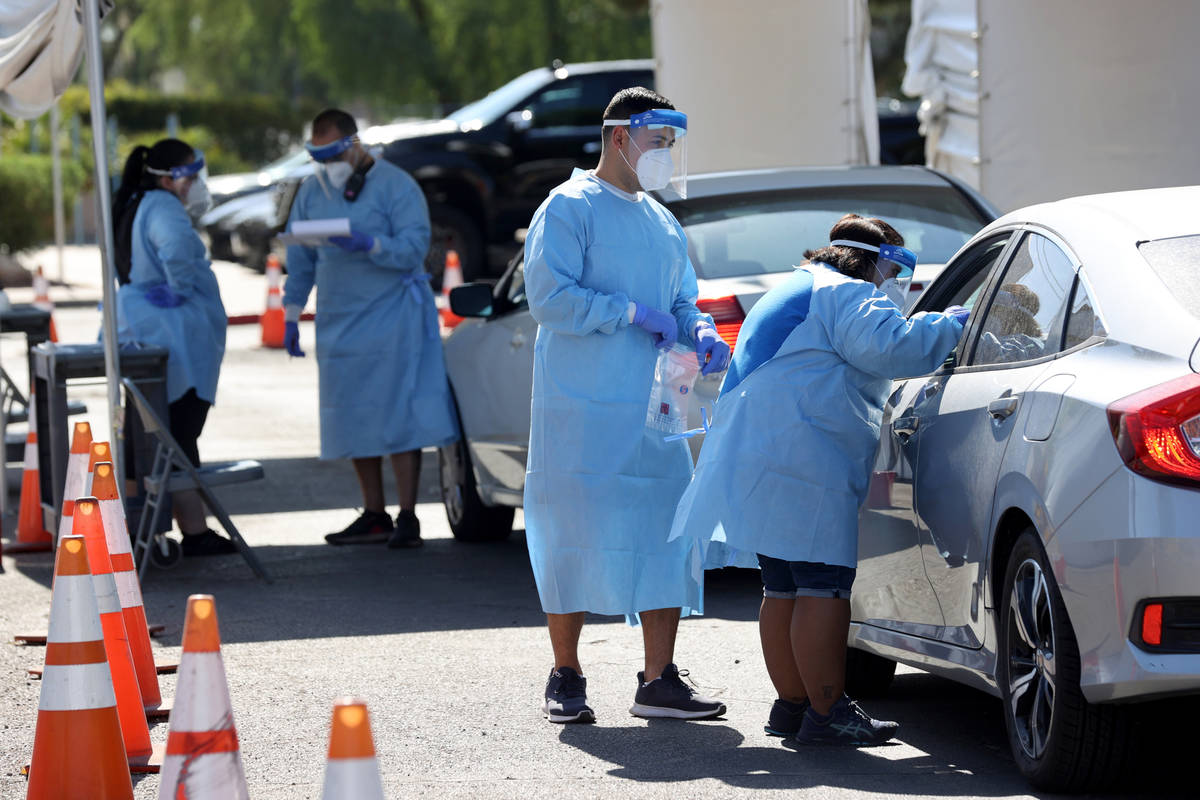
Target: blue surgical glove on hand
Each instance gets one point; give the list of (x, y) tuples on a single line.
[(711, 350), (661, 326), (291, 339), (959, 313), (356, 242), (162, 296)]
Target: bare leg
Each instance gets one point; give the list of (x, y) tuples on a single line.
[(775, 631), (820, 626), (564, 638), (370, 480), (407, 469), (658, 637), (188, 508)]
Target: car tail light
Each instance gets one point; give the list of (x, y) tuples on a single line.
[(1152, 624), (1157, 431), (727, 315)]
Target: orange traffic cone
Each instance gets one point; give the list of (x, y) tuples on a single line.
[(89, 524), (77, 748), (32, 535), (97, 452), (41, 299), (451, 277), (351, 772), (272, 322), (129, 590), (203, 760), (77, 463)]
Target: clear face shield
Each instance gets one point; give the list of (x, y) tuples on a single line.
[(332, 170), (659, 137), (894, 268), (196, 199)]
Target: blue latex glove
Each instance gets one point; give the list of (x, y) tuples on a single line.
[(711, 350), (161, 295), (356, 242), (959, 313), (291, 339), (659, 324)]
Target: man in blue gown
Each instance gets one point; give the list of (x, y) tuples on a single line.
[(383, 386), (608, 279)]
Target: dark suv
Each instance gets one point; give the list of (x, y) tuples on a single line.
[(487, 167)]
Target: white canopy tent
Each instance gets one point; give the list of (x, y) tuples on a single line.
[(41, 45)]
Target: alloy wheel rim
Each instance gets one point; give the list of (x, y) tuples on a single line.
[(1032, 668)]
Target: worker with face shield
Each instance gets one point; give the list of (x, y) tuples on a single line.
[(787, 460), (168, 297), (383, 387), (609, 282)]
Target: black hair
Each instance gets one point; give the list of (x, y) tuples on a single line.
[(627, 102), (852, 261), (334, 118), (135, 182)]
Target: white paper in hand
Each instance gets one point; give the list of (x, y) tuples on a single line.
[(314, 232)]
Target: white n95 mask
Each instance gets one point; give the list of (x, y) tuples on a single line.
[(337, 174), (654, 169), (895, 292), (198, 200)]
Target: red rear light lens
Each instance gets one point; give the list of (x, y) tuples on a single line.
[(1152, 624), (727, 315), (1157, 431)]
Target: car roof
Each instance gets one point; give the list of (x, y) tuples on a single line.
[(585, 67), (1124, 217), (765, 180)]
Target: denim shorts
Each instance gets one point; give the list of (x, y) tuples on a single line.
[(786, 580)]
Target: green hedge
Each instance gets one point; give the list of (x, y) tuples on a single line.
[(27, 198)]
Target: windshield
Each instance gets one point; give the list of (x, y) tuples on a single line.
[(744, 234), (502, 100), (282, 167), (1176, 262)]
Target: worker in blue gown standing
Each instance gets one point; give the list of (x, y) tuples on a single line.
[(609, 282), (168, 297), (383, 386), (787, 460)]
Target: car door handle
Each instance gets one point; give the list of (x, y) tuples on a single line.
[(1003, 407), (518, 341), (905, 427)]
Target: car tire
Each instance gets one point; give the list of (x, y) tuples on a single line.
[(469, 518), (1060, 741), (451, 229), (220, 246), (868, 675)]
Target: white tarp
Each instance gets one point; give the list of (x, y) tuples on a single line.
[(767, 83), (41, 45), (1030, 101)]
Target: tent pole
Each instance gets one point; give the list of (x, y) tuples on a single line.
[(112, 367)]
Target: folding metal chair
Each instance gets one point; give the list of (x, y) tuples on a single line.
[(173, 472)]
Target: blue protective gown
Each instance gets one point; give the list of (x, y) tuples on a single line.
[(601, 488), (383, 386), (165, 248), (786, 463)]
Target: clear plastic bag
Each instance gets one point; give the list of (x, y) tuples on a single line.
[(670, 394)]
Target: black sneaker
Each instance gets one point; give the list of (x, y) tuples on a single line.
[(669, 696), (209, 543), (407, 532), (372, 527), (847, 724), (786, 717), (566, 697)]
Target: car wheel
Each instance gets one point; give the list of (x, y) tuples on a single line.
[(220, 246), (1060, 741), (868, 675), (469, 518), (451, 229)]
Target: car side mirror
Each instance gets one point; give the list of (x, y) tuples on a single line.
[(520, 121), (471, 300)]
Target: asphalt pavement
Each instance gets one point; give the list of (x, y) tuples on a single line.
[(447, 643)]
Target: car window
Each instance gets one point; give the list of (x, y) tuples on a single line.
[(749, 233), (963, 280), (1083, 322), (1025, 317), (571, 102)]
